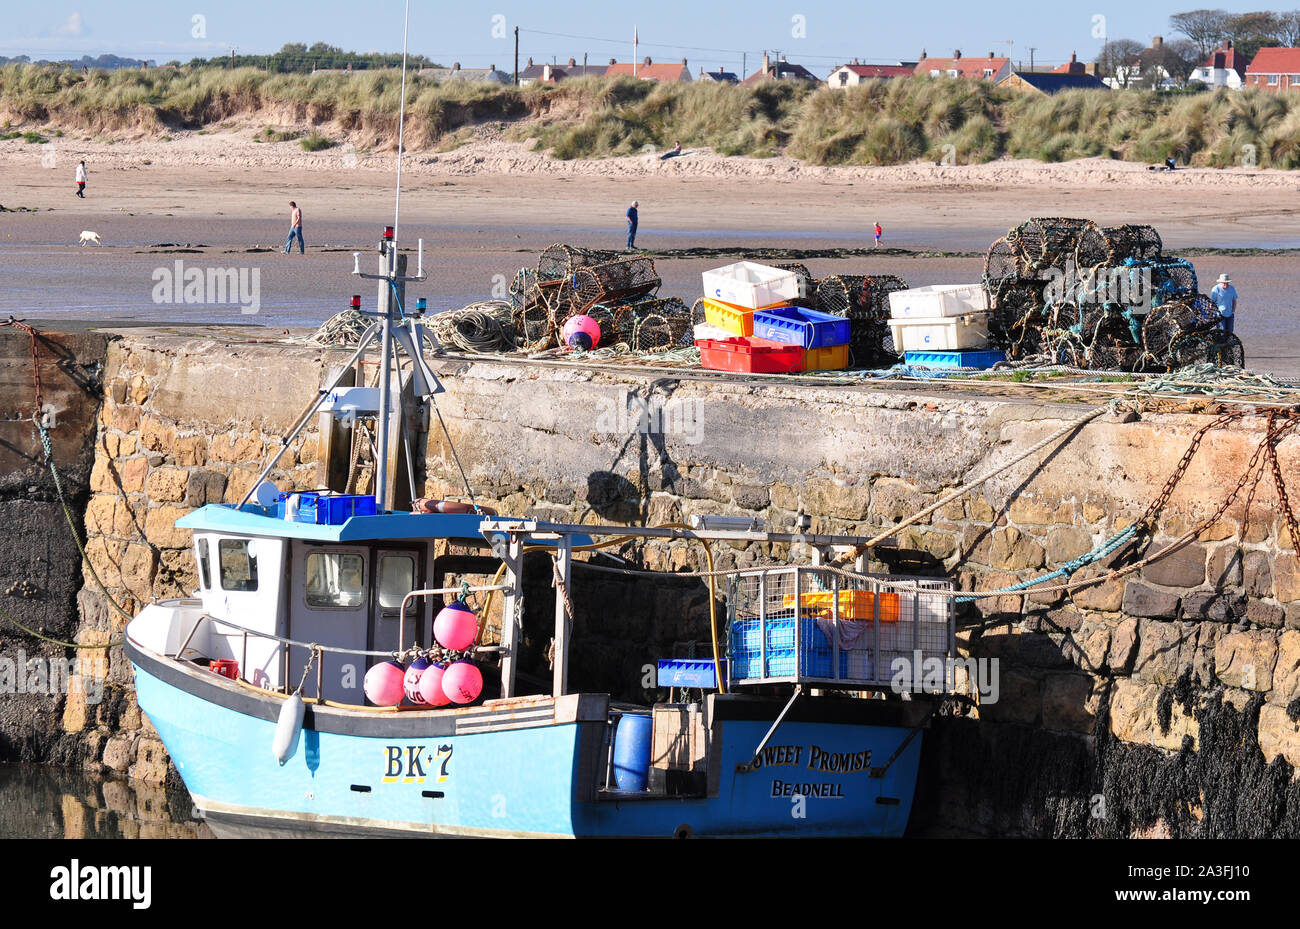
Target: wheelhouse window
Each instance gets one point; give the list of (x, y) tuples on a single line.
[(335, 580), (238, 563), (396, 580), (205, 564)]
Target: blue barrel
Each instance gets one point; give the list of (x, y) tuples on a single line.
[(632, 751)]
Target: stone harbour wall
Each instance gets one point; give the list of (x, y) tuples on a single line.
[(1166, 702)]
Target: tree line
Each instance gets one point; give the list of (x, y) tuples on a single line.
[(300, 58)]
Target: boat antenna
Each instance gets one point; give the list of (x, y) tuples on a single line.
[(401, 124)]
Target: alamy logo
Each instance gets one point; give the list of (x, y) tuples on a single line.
[(207, 286), (51, 676), (105, 882), (655, 416)]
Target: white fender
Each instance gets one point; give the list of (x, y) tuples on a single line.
[(288, 728)]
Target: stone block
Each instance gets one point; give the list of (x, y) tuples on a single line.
[(150, 762), (1069, 703), (156, 436), (1260, 613), (1286, 578), (167, 485), (1012, 550), (138, 565), (1066, 543), (1215, 607), (1279, 735), (1184, 568), (893, 500), (1286, 670), (1144, 601), (117, 753), (236, 448), (1019, 699), (1165, 649), (134, 472), (1257, 574), (1092, 513), (191, 451), (160, 528), (1225, 567), (1123, 645), (1246, 659), (1106, 597), (203, 487)]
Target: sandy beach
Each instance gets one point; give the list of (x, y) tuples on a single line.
[(219, 198)]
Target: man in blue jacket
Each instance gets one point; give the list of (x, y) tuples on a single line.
[(631, 225)]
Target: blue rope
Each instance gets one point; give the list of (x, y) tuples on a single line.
[(1065, 570)]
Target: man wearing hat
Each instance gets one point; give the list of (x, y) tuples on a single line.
[(1224, 296)]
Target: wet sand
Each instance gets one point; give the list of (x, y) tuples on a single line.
[(480, 228)]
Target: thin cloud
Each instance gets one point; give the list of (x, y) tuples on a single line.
[(73, 26)]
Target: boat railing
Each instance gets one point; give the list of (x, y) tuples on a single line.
[(315, 647)]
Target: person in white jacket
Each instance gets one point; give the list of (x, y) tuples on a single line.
[(81, 180)]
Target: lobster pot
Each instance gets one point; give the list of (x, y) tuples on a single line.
[(1112, 245), (1017, 305), (533, 328), (1047, 241), (798, 624), (660, 325), (1002, 265), (1173, 277), (1173, 322), (614, 281), (1215, 347), (558, 262), (523, 288), (807, 295)]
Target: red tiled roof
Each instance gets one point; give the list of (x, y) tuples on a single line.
[(1275, 61), (879, 70), (1071, 67), (667, 73), (966, 67)]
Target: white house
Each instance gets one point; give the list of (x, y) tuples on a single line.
[(1226, 67)]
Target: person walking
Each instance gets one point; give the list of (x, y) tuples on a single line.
[(631, 224), (295, 230), (81, 180), (1224, 296), (879, 231)]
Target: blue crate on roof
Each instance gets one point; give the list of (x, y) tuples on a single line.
[(328, 509), (953, 359), (689, 672), (797, 326)]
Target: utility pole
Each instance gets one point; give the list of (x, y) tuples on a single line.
[(744, 57), (1032, 49), (516, 56)]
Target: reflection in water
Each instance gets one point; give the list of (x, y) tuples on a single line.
[(51, 803)]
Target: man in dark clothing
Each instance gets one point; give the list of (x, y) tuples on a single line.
[(631, 225)]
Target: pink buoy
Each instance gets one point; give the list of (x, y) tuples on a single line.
[(462, 682), (384, 684), (411, 681), (431, 692), (581, 332), (455, 626)]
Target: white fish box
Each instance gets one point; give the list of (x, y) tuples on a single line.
[(940, 333), (705, 331), (938, 300), (751, 285)]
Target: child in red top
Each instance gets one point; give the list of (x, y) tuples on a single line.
[(878, 232)]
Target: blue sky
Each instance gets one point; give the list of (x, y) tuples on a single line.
[(706, 33)]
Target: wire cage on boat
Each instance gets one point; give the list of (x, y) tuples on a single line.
[(805, 624)]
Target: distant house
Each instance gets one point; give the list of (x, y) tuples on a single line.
[(675, 73), (851, 75), (1075, 66), (488, 75), (551, 74), (987, 69), (1146, 67), (1226, 67), (1042, 82), (718, 77), (780, 71), (1274, 69)]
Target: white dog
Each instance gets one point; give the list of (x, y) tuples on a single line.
[(88, 236)]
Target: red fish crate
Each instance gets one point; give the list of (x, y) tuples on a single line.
[(746, 355)]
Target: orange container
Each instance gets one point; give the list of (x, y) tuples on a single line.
[(738, 320), (226, 667), (827, 358), (854, 604)]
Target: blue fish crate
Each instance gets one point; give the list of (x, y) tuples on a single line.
[(782, 654), (328, 509), (689, 672), (797, 326), (980, 359)]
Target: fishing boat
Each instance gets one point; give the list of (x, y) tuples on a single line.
[(288, 692), (328, 678)]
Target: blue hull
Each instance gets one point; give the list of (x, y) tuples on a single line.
[(527, 770)]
